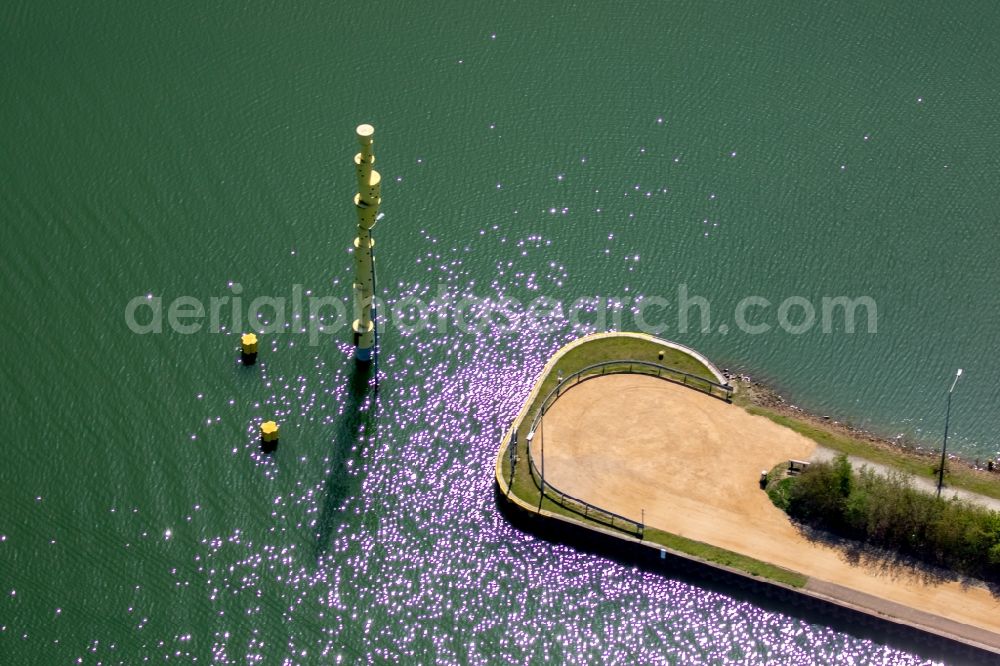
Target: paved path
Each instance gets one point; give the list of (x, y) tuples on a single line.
[(632, 443), (921, 482), (891, 609)]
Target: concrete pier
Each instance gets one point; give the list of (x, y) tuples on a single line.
[(678, 465)]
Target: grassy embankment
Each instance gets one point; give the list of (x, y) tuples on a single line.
[(605, 349), (830, 436)]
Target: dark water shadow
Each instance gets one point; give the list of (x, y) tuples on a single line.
[(346, 455)]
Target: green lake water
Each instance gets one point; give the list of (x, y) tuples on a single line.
[(778, 150)]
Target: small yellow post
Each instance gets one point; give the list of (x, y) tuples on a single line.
[(269, 432), (249, 343), (248, 348)]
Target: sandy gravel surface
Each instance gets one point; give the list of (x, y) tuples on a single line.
[(632, 442)]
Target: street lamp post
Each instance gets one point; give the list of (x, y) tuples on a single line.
[(944, 446)]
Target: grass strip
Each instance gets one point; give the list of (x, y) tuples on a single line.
[(728, 558), (957, 476)]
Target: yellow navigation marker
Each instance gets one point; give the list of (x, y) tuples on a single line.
[(248, 348), (269, 431), (366, 203), (249, 343)]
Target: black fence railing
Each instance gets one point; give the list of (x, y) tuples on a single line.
[(578, 506), (512, 451), (574, 504)]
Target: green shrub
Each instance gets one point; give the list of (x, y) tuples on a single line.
[(778, 491), (819, 494), (858, 507), (888, 512), (842, 475)]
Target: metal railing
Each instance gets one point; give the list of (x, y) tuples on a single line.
[(578, 506), (574, 504)]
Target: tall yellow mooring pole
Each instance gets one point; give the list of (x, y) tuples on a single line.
[(366, 201)]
